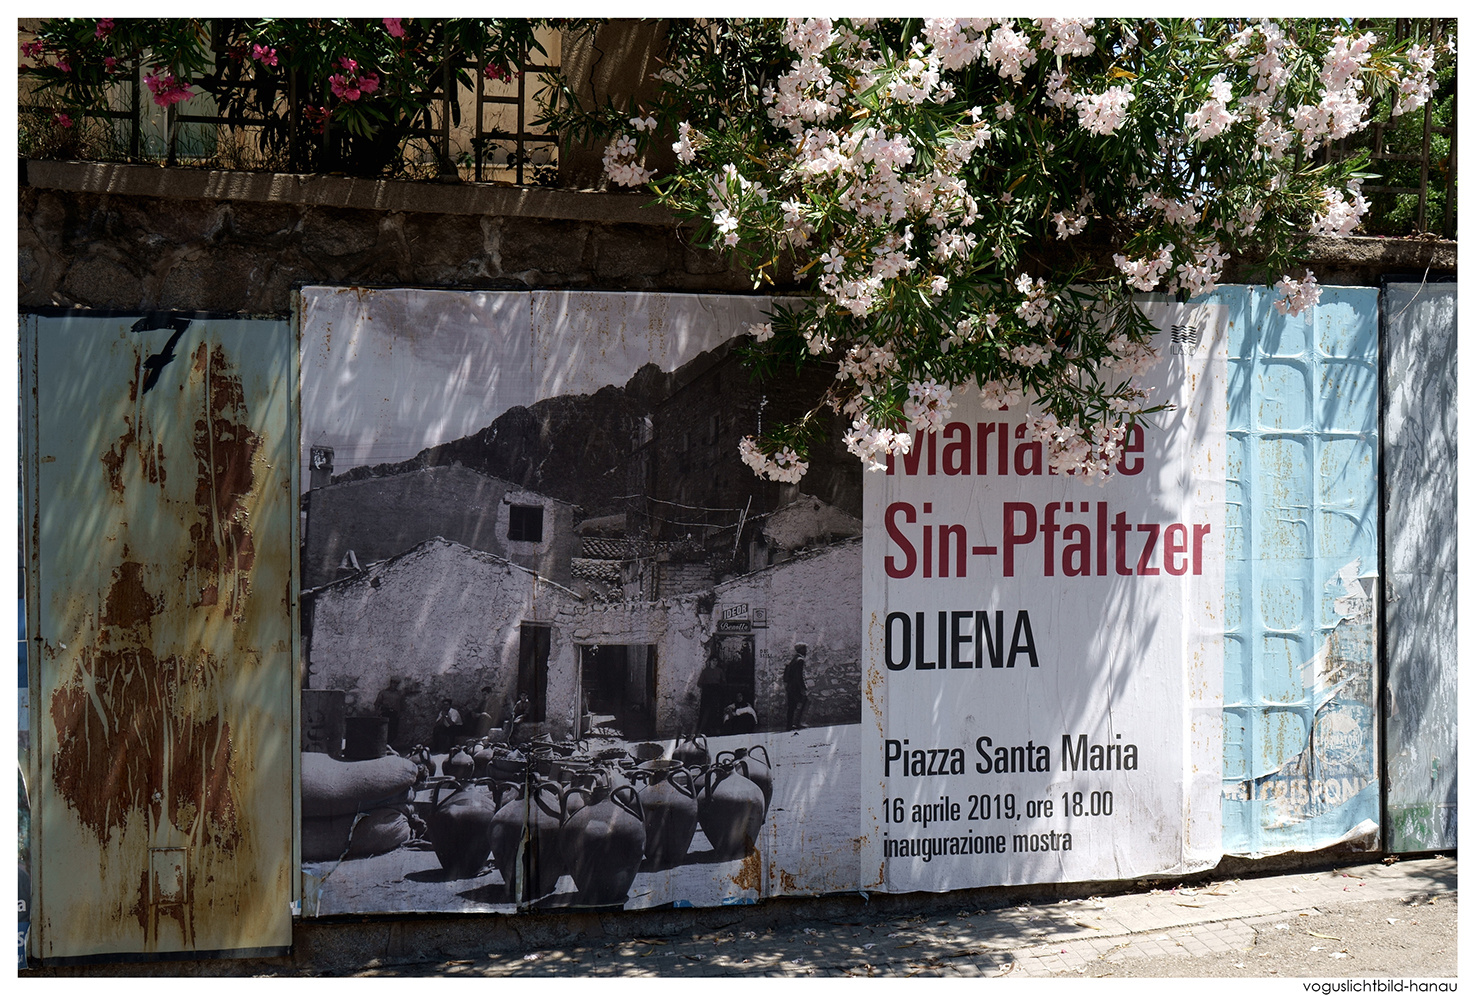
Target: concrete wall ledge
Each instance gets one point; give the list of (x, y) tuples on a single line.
[(317, 190), (496, 200)]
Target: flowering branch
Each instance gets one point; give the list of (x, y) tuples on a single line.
[(974, 202)]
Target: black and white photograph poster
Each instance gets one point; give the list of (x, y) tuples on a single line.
[(561, 647)]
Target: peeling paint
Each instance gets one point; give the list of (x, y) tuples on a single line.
[(165, 756)]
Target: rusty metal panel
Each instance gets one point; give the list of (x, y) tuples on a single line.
[(1301, 699), (160, 484), (1420, 565)]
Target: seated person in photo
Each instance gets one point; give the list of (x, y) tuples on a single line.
[(481, 715), (739, 716)]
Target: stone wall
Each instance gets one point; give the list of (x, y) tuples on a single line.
[(445, 620), (814, 599), (97, 235), (102, 235)]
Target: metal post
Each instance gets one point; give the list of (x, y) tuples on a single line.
[(445, 167), (1425, 167), (479, 140), (519, 145), (133, 137)]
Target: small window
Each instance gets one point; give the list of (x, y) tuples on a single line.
[(526, 523)]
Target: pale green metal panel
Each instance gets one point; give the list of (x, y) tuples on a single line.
[(162, 508)]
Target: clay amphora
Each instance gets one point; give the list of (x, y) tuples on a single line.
[(754, 763), (481, 759), (535, 859), (691, 750), (507, 833), (546, 860), (421, 755), (461, 829), (458, 764), (730, 810), (669, 801), (602, 844)]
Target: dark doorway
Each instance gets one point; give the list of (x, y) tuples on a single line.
[(735, 657), (534, 640), (618, 689)]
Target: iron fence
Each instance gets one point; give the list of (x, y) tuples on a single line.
[(472, 128)]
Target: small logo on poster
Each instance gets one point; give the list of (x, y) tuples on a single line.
[(1183, 339)]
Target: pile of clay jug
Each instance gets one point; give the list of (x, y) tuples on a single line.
[(599, 816)]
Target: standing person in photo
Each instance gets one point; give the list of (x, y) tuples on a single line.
[(710, 684), (389, 704), (794, 687)]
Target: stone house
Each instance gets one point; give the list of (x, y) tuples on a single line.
[(449, 620)]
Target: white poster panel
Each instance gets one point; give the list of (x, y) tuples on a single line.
[(1043, 654)]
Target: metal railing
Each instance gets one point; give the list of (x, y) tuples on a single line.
[(464, 130)]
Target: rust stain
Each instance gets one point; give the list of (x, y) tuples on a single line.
[(222, 549), (748, 874), (116, 454), (128, 603), (130, 739), (150, 458), (786, 881)]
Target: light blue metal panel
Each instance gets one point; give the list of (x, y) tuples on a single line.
[(1301, 566), (1420, 565)]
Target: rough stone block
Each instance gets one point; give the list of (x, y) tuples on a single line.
[(99, 281), (155, 221), (622, 252), (267, 225), (546, 246), (442, 247), (336, 233), (212, 280), (698, 260)]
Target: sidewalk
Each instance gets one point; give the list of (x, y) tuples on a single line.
[(1068, 938), (1353, 921)]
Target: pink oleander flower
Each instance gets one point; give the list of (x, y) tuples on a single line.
[(104, 28), (369, 82), (64, 65), (497, 73), (394, 27), (110, 64), (316, 117), (344, 87), (33, 49), (166, 89), (346, 64), (1103, 113), (264, 54), (64, 119)]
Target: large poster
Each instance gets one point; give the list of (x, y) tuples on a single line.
[(562, 648), (1043, 653)]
